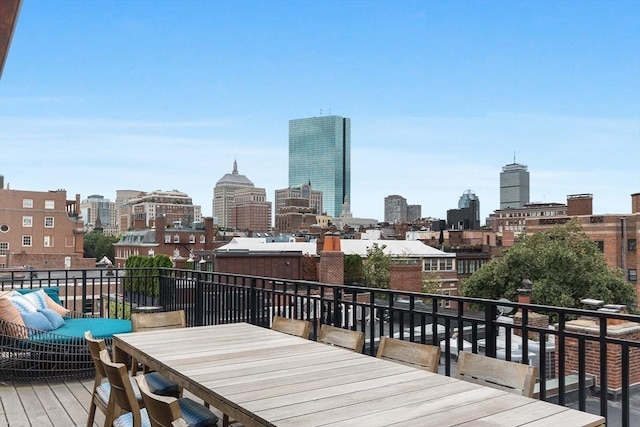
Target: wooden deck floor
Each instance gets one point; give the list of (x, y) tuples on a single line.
[(57, 404)]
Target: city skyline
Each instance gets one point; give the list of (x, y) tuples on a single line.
[(107, 95)]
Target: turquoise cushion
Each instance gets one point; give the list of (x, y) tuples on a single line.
[(53, 317), (37, 321), (99, 327), (52, 291), (75, 328)]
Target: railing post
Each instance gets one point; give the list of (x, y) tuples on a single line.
[(490, 316), (253, 303), (84, 291), (337, 312), (198, 302)]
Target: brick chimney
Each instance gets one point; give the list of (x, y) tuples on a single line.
[(331, 268), (579, 204), (635, 203), (535, 320)]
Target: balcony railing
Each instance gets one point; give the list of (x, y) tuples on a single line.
[(581, 355)]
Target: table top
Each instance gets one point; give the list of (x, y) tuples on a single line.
[(262, 377)]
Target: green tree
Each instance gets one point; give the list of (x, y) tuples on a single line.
[(376, 267), (353, 269), (98, 245), (564, 266)]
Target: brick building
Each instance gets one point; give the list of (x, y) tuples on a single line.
[(616, 234), (41, 229)]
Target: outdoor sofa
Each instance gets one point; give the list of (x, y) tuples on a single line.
[(32, 350)]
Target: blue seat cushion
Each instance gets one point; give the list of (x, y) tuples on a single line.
[(104, 390), (74, 328), (159, 384), (196, 414), (126, 420)]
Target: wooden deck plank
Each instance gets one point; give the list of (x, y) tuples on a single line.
[(32, 406), (12, 413)]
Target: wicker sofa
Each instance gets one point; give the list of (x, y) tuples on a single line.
[(28, 354)]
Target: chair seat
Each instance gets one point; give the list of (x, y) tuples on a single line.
[(195, 414), (159, 384), (154, 379), (126, 420)]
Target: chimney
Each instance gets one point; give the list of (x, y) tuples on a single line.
[(635, 203), (579, 204)]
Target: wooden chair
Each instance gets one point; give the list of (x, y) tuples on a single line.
[(124, 409), (345, 338), (500, 374), (299, 328), (141, 322), (168, 411), (414, 354), (102, 388)]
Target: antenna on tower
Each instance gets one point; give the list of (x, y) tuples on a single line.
[(514, 157), (321, 111)]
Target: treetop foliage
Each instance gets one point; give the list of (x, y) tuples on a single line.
[(564, 266)]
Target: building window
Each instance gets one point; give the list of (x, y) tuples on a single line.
[(48, 221), (27, 203), (4, 228), (49, 204), (176, 238), (167, 238), (48, 241), (600, 244), (633, 275), (27, 221), (202, 239), (192, 238), (631, 245), (26, 241), (4, 248), (445, 302)]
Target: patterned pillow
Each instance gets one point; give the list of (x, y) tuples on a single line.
[(37, 321), (37, 299), (53, 317), (22, 304)]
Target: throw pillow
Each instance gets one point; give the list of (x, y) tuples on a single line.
[(53, 317), (36, 321), (10, 313), (22, 304), (55, 306), (52, 291), (37, 299)]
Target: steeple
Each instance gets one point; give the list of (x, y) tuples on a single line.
[(235, 167)]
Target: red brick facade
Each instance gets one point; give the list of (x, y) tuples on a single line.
[(331, 268), (405, 277), (627, 331)]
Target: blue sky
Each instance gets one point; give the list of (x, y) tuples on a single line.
[(102, 95)]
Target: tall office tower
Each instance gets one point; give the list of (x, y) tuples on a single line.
[(467, 216), (414, 212), (224, 193), (395, 209), (96, 210), (514, 186), (320, 155)]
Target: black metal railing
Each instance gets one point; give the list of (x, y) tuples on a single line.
[(582, 356)]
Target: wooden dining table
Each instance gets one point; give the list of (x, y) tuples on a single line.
[(262, 377)]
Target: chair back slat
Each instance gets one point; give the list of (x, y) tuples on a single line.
[(164, 320), (345, 338), (418, 355), (121, 388), (162, 410), (299, 328), (95, 347), (500, 374)]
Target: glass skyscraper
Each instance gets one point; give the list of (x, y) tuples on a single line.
[(320, 155)]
